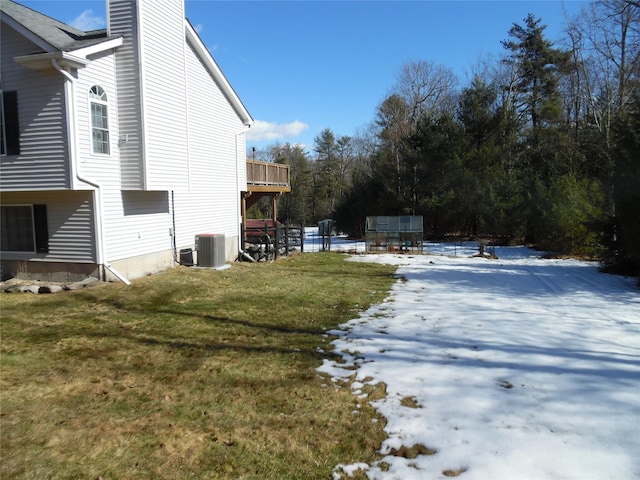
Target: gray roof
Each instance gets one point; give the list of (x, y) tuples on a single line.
[(59, 35)]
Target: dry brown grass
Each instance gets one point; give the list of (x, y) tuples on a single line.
[(413, 451), (409, 402), (187, 374), (454, 472)]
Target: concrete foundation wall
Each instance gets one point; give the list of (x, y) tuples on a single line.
[(130, 268), (48, 271), (141, 265)]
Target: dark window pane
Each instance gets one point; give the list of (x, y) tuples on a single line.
[(40, 224), (17, 229), (9, 124)]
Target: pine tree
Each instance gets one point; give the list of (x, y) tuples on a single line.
[(537, 65)]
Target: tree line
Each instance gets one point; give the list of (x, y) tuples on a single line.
[(542, 146)]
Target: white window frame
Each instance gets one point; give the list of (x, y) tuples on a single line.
[(100, 138)]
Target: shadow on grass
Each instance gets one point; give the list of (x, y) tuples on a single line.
[(150, 334)]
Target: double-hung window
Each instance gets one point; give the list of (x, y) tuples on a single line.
[(24, 228), (99, 120)]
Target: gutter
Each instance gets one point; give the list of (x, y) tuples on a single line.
[(75, 170)]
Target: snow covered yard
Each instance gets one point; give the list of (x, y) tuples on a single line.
[(516, 368)]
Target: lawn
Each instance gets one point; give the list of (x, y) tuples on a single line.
[(187, 374)]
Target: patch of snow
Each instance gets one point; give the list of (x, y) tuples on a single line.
[(520, 367)]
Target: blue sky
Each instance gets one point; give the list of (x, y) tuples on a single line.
[(303, 66)]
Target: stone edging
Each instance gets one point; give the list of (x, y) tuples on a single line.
[(15, 285)]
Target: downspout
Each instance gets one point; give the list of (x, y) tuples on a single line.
[(75, 169), (241, 253)]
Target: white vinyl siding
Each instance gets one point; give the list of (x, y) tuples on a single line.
[(134, 222), (151, 93), (43, 162), (164, 95), (123, 18), (70, 225), (99, 168), (217, 160), (142, 226)]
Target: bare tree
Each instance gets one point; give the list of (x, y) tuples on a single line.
[(394, 121), (426, 87), (365, 144), (612, 32)]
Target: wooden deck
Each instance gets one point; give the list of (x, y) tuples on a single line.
[(263, 180), (268, 177)]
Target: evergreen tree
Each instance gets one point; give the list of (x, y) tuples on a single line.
[(480, 194), (434, 164), (324, 182), (537, 65), (548, 152), (625, 252), (294, 207)]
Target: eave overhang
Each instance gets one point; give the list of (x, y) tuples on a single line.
[(72, 59), (108, 44), (42, 61)]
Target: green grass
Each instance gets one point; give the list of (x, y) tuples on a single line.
[(187, 374)]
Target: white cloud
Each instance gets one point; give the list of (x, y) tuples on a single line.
[(262, 130), (88, 21)]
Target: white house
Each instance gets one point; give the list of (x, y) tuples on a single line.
[(119, 146)]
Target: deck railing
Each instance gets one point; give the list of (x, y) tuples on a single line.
[(263, 173)]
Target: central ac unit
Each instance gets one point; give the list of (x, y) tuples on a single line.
[(210, 247)]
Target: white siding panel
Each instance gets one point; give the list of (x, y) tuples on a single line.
[(123, 21), (242, 164), (100, 168), (164, 94), (69, 221), (43, 163), (105, 170), (71, 229), (142, 226), (217, 161)]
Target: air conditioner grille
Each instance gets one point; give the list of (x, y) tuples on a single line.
[(210, 248)]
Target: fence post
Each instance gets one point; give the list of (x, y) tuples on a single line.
[(285, 230)]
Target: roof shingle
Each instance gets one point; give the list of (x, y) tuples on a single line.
[(58, 35)]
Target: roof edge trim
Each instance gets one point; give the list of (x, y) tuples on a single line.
[(42, 61), (108, 44)]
